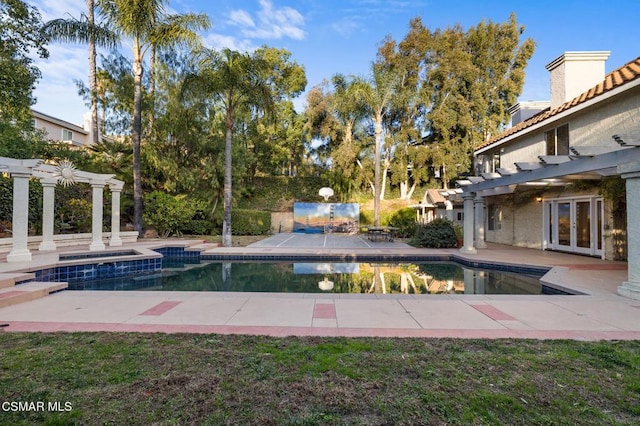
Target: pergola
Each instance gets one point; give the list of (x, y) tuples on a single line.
[(584, 162), (21, 171)]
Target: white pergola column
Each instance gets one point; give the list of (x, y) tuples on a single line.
[(115, 215), (479, 218), (20, 228), (48, 198), (96, 217), (467, 247), (631, 174)]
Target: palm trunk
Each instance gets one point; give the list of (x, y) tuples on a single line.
[(376, 176), (226, 220), (136, 136), (93, 82)]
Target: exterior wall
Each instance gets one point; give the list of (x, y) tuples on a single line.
[(54, 127), (525, 149), (281, 222), (522, 220), (594, 127)]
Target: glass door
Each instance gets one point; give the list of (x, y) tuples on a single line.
[(574, 225), (563, 225)]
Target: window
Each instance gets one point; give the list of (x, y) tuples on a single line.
[(557, 140), (490, 162), (494, 218), (67, 135)]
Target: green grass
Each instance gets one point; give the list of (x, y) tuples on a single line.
[(140, 379)]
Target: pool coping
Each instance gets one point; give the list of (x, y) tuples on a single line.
[(598, 314)]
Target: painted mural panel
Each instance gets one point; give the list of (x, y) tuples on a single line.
[(325, 217)]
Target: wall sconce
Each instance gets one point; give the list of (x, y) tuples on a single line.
[(539, 198)]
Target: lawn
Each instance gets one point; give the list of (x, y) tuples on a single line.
[(140, 379)]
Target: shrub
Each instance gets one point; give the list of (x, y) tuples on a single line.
[(439, 233), (405, 221), (169, 214), (250, 222), (366, 217), (197, 227)]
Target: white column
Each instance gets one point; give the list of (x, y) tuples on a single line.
[(631, 173), (48, 197), (479, 216), (467, 247), (115, 216), (20, 228), (96, 218)]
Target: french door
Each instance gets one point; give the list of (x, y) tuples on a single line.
[(574, 225)]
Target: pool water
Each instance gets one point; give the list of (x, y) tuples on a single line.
[(317, 277)]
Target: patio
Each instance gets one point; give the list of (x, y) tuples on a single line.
[(599, 313)]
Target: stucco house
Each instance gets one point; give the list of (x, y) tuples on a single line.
[(434, 205), (59, 130), (566, 175)]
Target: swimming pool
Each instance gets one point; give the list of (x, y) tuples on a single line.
[(416, 277)]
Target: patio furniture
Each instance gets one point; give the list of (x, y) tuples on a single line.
[(381, 233)]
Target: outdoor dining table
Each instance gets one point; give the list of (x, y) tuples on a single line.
[(381, 233)]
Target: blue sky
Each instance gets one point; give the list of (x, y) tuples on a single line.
[(331, 36)]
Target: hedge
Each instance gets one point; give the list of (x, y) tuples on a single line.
[(250, 222)]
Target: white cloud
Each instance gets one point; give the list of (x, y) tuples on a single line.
[(241, 18), (221, 41), (272, 23), (56, 91), (54, 9), (346, 26)]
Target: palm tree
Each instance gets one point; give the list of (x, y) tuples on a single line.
[(85, 30), (349, 108), (237, 83), (146, 25)]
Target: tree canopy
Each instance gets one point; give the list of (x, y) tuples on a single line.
[(20, 34)]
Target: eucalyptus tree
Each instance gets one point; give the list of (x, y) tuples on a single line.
[(85, 30), (378, 95), (186, 153), (145, 24), (335, 113), (469, 79), (278, 146), (349, 107), (235, 82), (279, 140), (404, 156)]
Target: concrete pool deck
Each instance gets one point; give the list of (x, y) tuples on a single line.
[(599, 313)]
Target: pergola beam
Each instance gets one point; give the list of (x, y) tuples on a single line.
[(585, 165)]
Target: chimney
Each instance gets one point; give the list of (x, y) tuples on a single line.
[(525, 110), (573, 73)]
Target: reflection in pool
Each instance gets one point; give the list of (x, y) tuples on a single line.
[(288, 277)]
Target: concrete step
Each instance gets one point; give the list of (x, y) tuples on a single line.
[(10, 279), (28, 291)]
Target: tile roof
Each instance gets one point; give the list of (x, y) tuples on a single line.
[(616, 78), (435, 196)]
